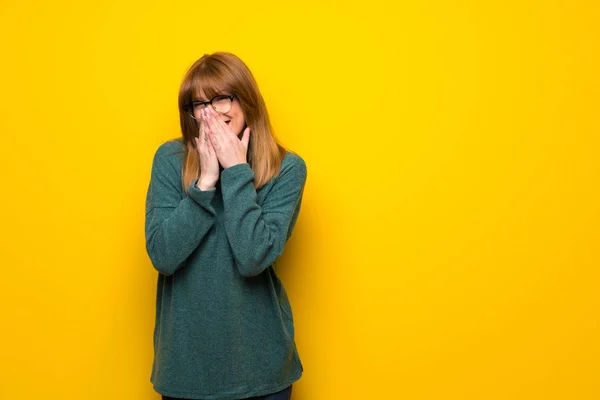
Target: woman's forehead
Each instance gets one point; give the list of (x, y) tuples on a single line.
[(200, 94)]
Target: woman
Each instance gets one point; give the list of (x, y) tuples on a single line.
[(221, 204)]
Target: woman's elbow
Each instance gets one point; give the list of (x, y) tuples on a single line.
[(249, 269), (159, 262), (254, 264)]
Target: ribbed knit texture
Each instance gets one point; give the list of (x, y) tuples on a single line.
[(224, 327)]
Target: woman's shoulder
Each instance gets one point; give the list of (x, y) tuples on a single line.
[(172, 150), (293, 163), (171, 146), (292, 159)]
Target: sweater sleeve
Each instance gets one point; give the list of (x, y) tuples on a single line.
[(174, 227), (257, 234)]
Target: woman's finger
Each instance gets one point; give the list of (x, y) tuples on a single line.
[(213, 131), (198, 145), (210, 148), (202, 134), (226, 130), (218, 126), (208, 119), (210, 138)]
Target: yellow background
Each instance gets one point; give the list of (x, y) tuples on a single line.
[(448, 243)]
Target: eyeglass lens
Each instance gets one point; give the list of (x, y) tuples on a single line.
[(221, 104)]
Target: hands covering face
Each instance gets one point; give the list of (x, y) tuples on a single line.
[(209, 164), (230, 150)]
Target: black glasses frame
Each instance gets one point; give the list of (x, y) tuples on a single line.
[(189, 108)]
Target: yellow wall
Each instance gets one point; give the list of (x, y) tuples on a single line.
[(448, 242)]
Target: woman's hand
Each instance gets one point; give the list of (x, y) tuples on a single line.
[(230, 150), (209, 164)]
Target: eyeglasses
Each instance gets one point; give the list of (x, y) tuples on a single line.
[(220, 103)]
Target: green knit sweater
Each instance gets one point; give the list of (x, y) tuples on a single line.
[(224, 327)]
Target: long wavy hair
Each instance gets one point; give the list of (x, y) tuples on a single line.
[(223, 70)]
